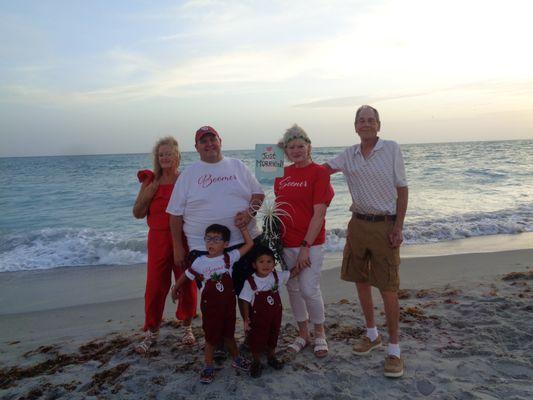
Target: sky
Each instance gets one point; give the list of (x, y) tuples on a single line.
[(99, 76)]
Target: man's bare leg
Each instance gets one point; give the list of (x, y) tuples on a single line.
[(392, 314), (364, 291)]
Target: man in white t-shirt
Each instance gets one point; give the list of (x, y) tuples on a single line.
[(214, 190), (375, 173)]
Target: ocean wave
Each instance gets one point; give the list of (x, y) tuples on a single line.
[(512, 221), (58, 247), (453, 227)]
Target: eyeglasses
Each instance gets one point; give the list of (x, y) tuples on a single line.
[(213, 239)]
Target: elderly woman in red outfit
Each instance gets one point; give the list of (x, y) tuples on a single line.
[(151, 202), (304, 193)]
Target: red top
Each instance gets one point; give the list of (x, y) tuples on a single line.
[(301, 189), (157, 217)]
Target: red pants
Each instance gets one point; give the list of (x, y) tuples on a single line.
[(159, 279)]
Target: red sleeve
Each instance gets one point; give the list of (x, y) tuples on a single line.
[(145, 174), (322, 190)]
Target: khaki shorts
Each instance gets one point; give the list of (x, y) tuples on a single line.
[(367, 256)]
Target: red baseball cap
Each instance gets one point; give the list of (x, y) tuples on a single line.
[(204, 130)]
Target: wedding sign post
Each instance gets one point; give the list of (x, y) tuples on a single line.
[(269, 159), (269, 162)]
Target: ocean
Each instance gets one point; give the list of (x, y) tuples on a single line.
[(76, 210)]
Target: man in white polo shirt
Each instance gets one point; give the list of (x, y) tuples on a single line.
[(214, 190), (375, 173)]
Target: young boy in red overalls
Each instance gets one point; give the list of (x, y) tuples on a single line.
[(263, 308), (217, 302)]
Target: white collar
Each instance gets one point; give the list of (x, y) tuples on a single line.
[(377, 146)]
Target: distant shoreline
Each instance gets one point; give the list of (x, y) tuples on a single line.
[(77, 285), (471, 245)]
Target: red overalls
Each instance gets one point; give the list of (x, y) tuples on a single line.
[(218, 306), (265, 318), (160, 263)]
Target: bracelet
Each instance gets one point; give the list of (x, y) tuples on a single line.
[(253, 208), (252, 212)]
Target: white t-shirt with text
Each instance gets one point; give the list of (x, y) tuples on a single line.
[(213, 193)]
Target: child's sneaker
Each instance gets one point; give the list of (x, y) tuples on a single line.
[(241, 363), (256, 369), (207, 375)]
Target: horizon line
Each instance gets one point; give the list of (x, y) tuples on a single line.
[(317, 147)]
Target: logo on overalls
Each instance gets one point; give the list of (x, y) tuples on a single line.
[(270, 300), (220, 287)]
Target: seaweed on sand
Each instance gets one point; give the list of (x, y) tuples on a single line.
[(95, 350)]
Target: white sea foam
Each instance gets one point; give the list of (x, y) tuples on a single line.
[(453, 227), (58, 247)]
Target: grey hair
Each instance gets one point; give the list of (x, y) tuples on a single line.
[(294, 132), (364, 107)]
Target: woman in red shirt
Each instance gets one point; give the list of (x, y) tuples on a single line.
[(151, 203), (304, 193)]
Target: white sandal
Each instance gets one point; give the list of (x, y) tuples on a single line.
[(149, 340), (298, 345), (188, 337), (321, 347)]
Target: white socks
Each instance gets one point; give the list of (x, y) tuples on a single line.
[(372, 333), (394, 350)]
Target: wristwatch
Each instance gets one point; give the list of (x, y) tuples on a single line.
[(305, 244)]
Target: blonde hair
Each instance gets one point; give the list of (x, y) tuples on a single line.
[(168, 141), (294, 132)]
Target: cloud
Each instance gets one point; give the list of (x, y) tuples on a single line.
[(126, 62), (195, 76), (492, 88), (210, 43), (319, 51), (351, 101)]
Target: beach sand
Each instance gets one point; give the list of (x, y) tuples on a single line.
[(466, 333)]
